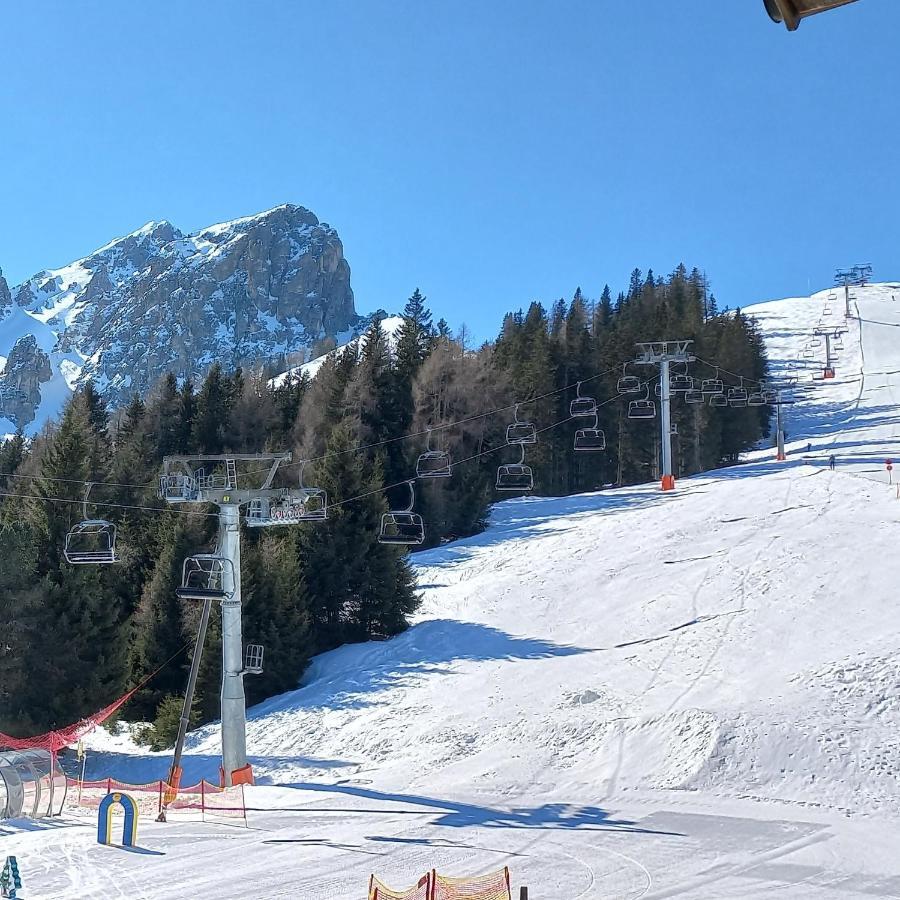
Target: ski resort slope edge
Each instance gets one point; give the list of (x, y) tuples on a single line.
[(622, 694)]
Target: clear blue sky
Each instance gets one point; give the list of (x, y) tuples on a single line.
[(490, 152)]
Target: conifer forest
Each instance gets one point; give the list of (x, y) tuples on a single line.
[(74, 635)]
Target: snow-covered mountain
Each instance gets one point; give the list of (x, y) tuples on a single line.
[(624, 694), (157, 300)]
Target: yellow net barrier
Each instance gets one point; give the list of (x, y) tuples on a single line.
[(494, 886), (421, 891)]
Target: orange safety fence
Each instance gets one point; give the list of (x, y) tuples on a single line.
[(494, 886), (204, 800), (421, 891)]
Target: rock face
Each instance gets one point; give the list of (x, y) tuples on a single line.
[(251, 290), (27, 368)]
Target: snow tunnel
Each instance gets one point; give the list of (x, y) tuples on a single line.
[(32, 785)]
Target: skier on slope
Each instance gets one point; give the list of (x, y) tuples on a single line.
[(831, 462), (809, 447)]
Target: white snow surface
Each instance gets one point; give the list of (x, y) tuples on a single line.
[(619, 695), (390, 325)]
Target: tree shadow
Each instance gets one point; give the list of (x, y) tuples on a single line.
[(455, 814), (345, 678)]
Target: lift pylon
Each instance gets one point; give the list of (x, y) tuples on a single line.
[(214, 478), (663, 354)]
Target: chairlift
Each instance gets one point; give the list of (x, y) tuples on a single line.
[(628, 384), (433, 463), (815, 342), (590, 438), (644, 408), (718, 400), (737, 396), (770, 396), (206, 576), (712, 385), (582, 407), (681, 382), (403, 526), (520, 432), (756, 398), (91, 541), (693, 396), (807, 354), (827, 311), (292, 506), (515, 476), (253, 659)]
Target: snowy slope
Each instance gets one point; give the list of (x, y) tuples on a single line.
[(390, 326), (623, 694)]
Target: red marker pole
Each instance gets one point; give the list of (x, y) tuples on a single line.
[(889, 465)]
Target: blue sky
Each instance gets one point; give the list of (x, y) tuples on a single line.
[(490, 153)]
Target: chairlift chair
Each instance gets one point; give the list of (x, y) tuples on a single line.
[(693, 396), (711, 386), (827, 311), (815, 342), (403, 526), (718, 400), (253, 659), (520, 432), (756, 398), (770, 395), (433, 463), (680, 383), (737, 396), (590, 438), (515, 476), (582, 407), (644, 408), (206, 576), (628, 384), (91, 541)]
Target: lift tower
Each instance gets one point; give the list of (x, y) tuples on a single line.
[(185, 480), (663, 353)]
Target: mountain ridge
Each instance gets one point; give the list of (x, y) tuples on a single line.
[(248, 290)]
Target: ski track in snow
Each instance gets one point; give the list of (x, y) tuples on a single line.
[(621, 694)]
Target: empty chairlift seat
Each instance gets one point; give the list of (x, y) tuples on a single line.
[(644, 408), (91, 542), (582, 407), (518, 432), (403, 526), (206, 576), (590, 439), (693, 396), (515, 476), (433, 463), (628, 384)]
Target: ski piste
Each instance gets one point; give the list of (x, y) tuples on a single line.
[(621, 694)]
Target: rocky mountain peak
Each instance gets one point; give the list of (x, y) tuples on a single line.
[(251, 290)]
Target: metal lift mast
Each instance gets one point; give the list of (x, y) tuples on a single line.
[(181, 482), (663, 353)]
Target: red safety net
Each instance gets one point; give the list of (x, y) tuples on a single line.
[(204, 800), (54, 741)]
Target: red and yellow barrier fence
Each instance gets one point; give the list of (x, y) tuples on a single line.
[(493, 886)]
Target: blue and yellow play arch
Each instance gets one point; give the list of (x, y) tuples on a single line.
[(104, 822)]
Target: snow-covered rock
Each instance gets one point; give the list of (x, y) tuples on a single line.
[(254, 289)]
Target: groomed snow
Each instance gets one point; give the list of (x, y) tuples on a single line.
[(624, 694)]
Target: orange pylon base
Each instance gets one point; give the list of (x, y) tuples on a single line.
[(668, 482), (780, 457)]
